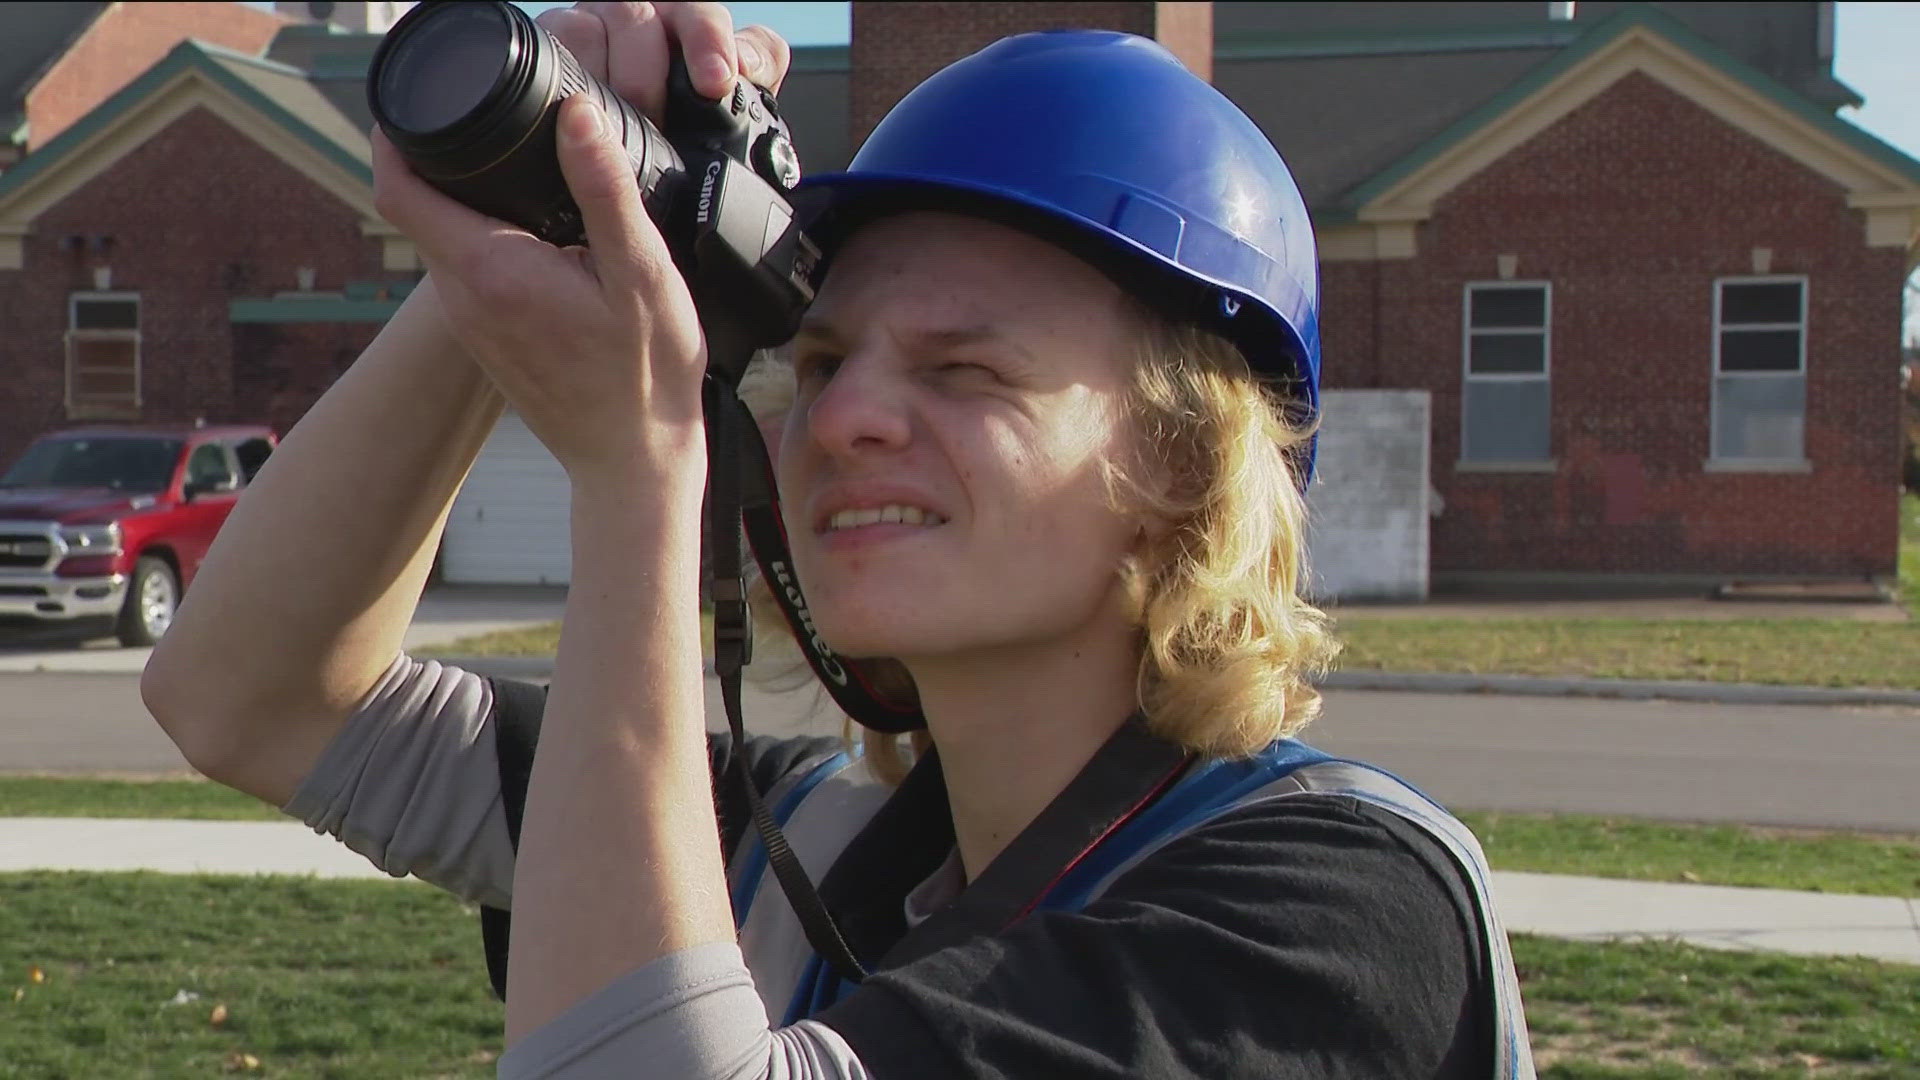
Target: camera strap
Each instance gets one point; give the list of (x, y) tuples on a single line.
[(735, 450)]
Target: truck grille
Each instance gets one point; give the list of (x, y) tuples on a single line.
[(24, 550)]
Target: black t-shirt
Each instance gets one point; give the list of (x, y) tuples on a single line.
[(1311, 936)]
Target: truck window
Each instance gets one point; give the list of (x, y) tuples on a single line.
[(123, 463), (212, 465), (252, 453)]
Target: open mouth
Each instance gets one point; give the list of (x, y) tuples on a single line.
[(891, 514)]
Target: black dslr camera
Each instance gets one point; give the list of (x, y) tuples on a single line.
[(469, 93)]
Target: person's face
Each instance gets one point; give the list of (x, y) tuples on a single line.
[(960, 386)]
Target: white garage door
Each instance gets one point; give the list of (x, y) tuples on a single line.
[(509, 522)]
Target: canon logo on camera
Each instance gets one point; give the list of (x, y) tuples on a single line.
[(706, 191)]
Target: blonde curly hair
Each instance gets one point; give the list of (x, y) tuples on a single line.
[(1230, 649)]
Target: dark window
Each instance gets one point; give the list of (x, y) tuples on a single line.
[(251, 454), (1507, 397), (103, 355), (1760, 384)]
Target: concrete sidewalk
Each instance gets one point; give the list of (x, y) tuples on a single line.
[(1885, 928)]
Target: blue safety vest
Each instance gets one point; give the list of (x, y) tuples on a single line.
[(822, 809)]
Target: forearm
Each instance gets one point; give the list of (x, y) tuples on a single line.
[(306, 595), (620, 859)]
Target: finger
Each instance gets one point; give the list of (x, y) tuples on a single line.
[(584, 35), (704, 33), (764, 56), (628, 252), (637, 56), (444, 230)]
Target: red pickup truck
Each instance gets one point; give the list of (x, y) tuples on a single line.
[(113, 521)]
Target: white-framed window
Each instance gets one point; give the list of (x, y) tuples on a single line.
[(103, 354), (1759, 371), (1507, 333)]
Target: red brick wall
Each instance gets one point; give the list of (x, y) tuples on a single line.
[(1632, 205), (199, 216), (123, 43), (897, 45)]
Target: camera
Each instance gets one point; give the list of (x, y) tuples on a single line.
[(470, 93)]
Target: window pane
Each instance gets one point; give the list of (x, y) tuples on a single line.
[(1505, 421), (1759, 417), (1760, 350), (106, 314), (114, 384), (93, 354), (1778, 302), (1507, 354), (209, 465), (1516, 307)]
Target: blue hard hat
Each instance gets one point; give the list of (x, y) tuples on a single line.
[(1105, 143)]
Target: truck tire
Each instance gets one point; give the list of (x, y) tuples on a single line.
[(152, 597)]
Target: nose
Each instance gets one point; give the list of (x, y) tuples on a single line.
[(860, 408)]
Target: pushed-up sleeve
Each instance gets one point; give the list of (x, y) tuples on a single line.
[(412, 782)]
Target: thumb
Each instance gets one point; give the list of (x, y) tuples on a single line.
[(627, 248)]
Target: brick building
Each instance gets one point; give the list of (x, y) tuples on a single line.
[(1649, 280)]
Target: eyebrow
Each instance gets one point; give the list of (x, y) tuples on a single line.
[(941, 340)]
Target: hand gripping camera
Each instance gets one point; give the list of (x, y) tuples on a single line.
[(469, 93)]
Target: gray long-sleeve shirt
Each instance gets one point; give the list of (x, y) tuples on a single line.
[(412, 783)]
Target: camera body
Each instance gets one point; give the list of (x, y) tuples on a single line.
[(470, 93)]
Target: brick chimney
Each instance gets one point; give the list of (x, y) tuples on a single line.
[(897, 45)]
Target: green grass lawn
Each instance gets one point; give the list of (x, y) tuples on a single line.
[(1805, 652), (374, 979), (1808, 652), (1822, 861), (318, 978), (1877, 864), (75, 796), (1657, 1010)]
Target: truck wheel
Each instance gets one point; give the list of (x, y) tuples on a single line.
[(152, 596)]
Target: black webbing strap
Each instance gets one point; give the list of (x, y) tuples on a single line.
[(734, 450), (517, 708), (760, 520), (731, 431)]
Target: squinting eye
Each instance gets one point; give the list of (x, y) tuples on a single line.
[(815, 367), (963, 368)]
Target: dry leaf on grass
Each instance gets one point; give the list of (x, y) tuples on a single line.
[(239, 1062)]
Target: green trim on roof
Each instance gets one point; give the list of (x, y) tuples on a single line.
[(820, 58), (330, 309), (1592, 41), (208, 60), (1284, 46)]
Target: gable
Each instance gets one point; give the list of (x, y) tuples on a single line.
[(1876, 179), (270, 104)]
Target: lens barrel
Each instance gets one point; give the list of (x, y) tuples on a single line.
[(469, 93)]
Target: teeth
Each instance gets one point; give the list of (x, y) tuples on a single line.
[(890, 515)]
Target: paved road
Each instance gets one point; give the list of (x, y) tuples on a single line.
[(1774, 765)]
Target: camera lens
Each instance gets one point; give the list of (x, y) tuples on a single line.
[(445, 68), (470, 93)]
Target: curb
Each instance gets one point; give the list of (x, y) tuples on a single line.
[(1623, 689), (541, 667)]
